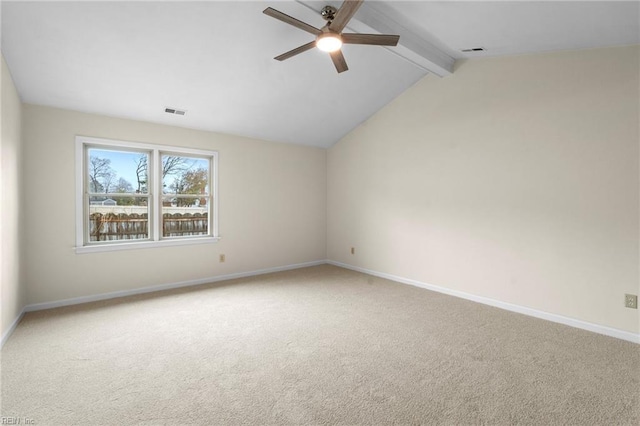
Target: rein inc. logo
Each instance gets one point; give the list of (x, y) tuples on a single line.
[(5, 420)]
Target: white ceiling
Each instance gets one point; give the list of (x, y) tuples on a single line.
[(214, 59)]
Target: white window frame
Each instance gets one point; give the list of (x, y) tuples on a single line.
[(155, 196)]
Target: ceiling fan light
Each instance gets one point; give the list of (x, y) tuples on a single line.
[(329, 42)]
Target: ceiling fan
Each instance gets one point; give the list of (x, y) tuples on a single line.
[(330, 38)]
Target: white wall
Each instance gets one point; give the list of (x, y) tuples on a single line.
[(515, 179), (13, 296), (272, 212)]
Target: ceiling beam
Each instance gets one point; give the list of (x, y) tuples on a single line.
[(411, 47)]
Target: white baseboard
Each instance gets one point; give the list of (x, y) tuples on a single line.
[(12, 327), (168, 286), (572, 322)]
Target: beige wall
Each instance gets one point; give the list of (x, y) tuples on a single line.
[(515, 179), (272, 212), (13, 296)]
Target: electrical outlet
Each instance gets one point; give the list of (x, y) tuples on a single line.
[(631, 301), (222, 258), (353, 250)]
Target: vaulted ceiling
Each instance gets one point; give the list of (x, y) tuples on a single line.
[(215, 59)]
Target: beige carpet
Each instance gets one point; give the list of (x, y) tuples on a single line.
[(320, 345)]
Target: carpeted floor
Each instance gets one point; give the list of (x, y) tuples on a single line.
[(319, 345)]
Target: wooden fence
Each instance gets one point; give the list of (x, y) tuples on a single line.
[(134, 226)]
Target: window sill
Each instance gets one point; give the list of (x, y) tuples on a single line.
[(145, 244)]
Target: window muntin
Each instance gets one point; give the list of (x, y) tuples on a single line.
[(144, 194)]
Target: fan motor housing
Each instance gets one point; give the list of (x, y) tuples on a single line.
[(328, 13)]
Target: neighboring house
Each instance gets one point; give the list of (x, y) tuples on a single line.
[(107, 202)]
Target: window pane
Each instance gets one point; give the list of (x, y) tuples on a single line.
[(180, 220), (118, 218), (185, 175), (117, 171), (186, 200)]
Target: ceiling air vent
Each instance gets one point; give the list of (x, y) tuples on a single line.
[(473, 49), (175, 111)]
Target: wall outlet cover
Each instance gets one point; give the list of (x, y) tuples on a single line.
[(631, 301)]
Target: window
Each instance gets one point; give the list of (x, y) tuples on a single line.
[(132, 195)]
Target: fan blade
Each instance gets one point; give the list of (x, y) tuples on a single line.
[(376, 39), (296, 51), (291, 21), (338, 60), (344, 15)]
